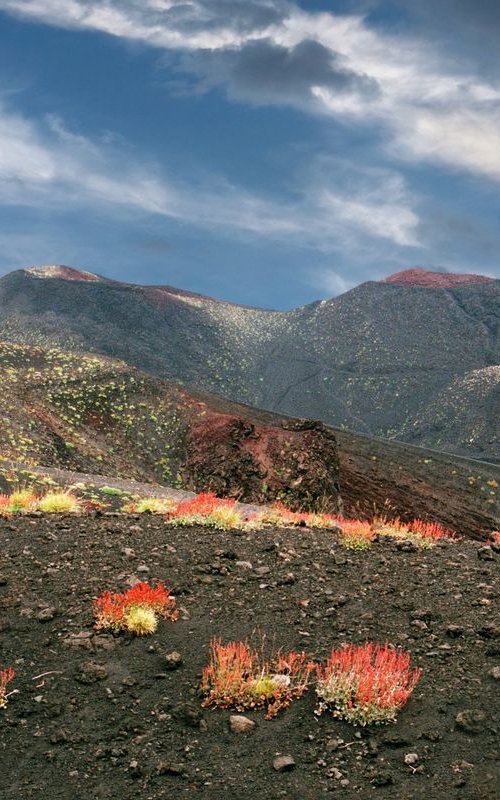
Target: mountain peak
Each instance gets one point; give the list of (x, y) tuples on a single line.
[(62, 272), (434, 280)]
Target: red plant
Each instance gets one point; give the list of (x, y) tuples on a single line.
[(430, 530), (4, 503), (6, 676), (111, 610), (238, 677), (203, 504), (366, 684), (95, 505)]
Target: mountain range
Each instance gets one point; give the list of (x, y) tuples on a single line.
[(415, 358)]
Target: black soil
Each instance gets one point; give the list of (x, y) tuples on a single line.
[(98, 716)]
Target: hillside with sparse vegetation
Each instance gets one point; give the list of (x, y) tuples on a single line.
[(414, 358)]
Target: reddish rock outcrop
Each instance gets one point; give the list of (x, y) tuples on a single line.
[(235, 457), (434, 280)]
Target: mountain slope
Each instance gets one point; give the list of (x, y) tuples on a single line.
[(92, 414), (386, 358)]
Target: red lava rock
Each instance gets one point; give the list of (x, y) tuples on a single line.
[(434, 280), (297, 461)]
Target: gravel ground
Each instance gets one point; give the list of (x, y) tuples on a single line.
[(97, 716)]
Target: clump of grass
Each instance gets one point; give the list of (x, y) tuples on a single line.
[(207, 510), (112, 491), (6, 675), (366, 684), (21, 500), (58, 502), (238, 677), (280, 516), (356, 534), (136, 610), (150, 505)]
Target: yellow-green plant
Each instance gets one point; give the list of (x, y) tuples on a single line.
[(58, 503)]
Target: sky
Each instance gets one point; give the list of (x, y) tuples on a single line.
[(264, 152)]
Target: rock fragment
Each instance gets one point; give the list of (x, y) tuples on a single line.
[(471, 720), (284, 763), (240, 724)]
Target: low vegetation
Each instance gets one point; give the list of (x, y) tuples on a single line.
[(366, 684), (209, 511), (6, 676), (239, 677), (137, 611), (52, 502)]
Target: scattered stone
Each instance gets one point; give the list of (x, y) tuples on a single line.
[(134, 769), (240, 724), (422, 613), (169, 768), (283, 763), (189, 714), (489, 631), (262, 571), (411, 758), (46, 614), (382, 779), (495, 673), (104, 642), (485, 553), (372, 748), (454, 631), (128, 552), (79, 641), (173, 660), (59, 737), (143, 568), (90, 672), (244, 564), (471, 720)]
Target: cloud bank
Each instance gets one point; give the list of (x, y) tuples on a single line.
[(265, 52), (44, 165)]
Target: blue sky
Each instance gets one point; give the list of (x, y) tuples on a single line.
[(262, 151)]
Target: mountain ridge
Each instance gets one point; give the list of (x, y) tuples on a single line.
[(389, 359)]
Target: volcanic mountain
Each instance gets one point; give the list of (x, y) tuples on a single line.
[(415, 357)]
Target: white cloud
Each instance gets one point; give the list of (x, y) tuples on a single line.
[(459, 138), (44, 165), (431, 110), (332, 282)]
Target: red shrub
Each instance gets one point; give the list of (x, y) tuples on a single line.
[(203, 504), (110, 610), (430, 530), (238, 677), (366, 684), (6, 676)]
